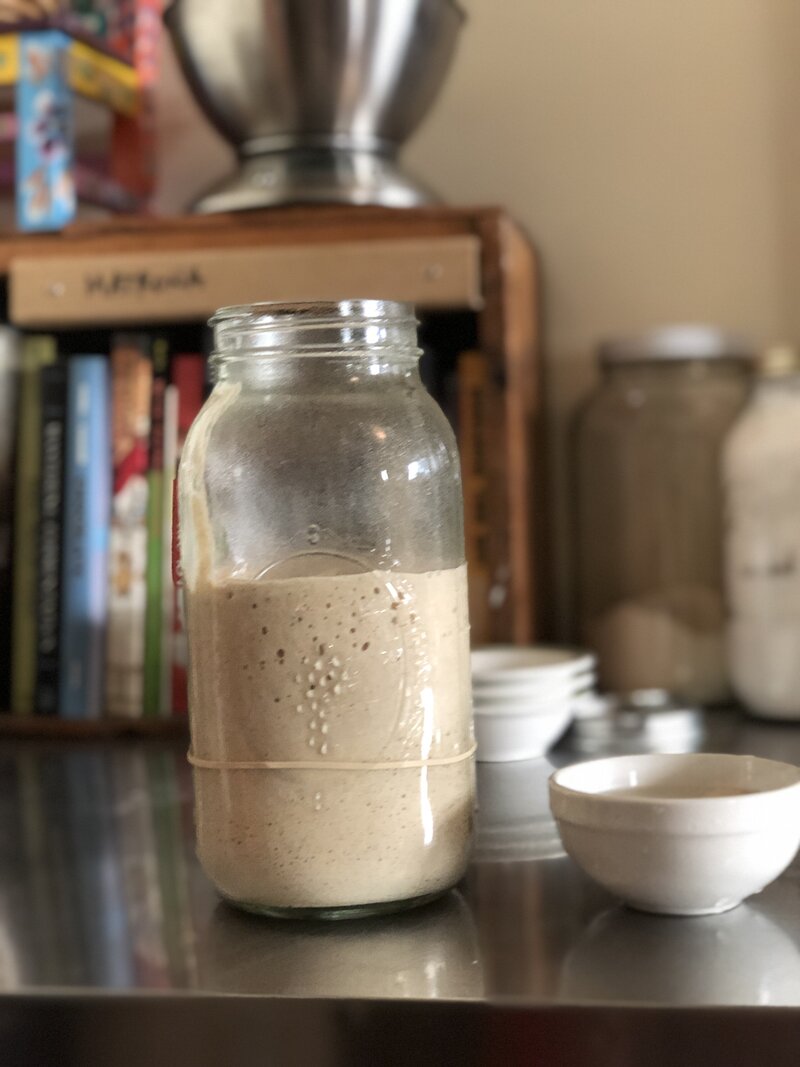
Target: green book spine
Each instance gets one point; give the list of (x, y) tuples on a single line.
[(155, 527), (36, 353)]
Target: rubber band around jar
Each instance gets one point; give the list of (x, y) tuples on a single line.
[(319, 765)]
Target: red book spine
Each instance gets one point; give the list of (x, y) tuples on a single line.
[(131, 385)]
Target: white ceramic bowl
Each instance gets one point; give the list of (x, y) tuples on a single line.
[(682, 834), (520, 698), (518, 733), (515, 665), (541, 689)]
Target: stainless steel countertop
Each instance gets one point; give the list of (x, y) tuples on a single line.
[(100, 891)]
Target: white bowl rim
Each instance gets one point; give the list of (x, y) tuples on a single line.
[(629, 797), (526, 711), (521, 696), (562, 659), (572, 682)]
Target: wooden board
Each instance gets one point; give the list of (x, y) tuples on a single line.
[(163, 285), (508, 334), (291, 225)]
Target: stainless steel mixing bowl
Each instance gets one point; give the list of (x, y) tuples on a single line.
[(315, 95)]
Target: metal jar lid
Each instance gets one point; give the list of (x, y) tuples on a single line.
[(646, 720), (779, 361), (679, 342)]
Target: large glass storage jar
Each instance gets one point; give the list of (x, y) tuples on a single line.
[(761, 479), (650, 510), (322, 557)]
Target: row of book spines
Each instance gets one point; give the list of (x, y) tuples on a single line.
[(156, 401), (146, 650), (62, 496), (61, 558)]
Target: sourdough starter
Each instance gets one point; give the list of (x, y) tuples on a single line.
[(369, 668)]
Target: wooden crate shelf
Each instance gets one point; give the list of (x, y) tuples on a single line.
[(149, 271)]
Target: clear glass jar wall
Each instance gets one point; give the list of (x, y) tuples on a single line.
[(650, 512), (325, 586)]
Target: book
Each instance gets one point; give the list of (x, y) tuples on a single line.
[(44, 149), (48, 577), (87, 514), (134, 146), (9, 385), (188, 375), (474, 383), (131, 385), (167, 599), (155, 529), (37, 352)]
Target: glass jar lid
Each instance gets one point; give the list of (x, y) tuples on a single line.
[(779, 361), (678, 342)]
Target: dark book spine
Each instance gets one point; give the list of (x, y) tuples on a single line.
[(51, 507)]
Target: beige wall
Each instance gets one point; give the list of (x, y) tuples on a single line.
[(650, 147)]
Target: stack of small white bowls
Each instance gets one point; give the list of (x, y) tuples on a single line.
[(525, 698)]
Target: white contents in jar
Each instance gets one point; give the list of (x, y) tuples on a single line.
[(359, 683), (671, 640), (762, 550)]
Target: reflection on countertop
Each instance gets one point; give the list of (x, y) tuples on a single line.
[(514, 820), (98, 885), (100, 888), (739, 957), (430, 952)]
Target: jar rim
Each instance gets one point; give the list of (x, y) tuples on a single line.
[(315, 328), (282, 313), (676, 343)]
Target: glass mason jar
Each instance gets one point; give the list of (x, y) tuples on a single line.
[(322, 559), (650, 510), (761, 479)]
